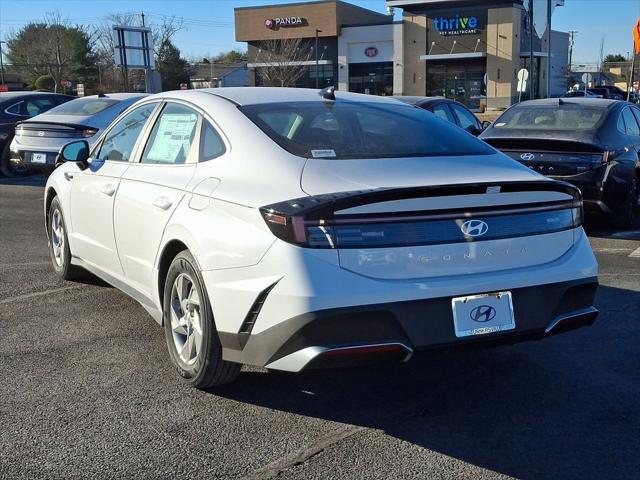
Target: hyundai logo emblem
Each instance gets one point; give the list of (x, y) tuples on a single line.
[(474, 228), (483, 313), (41, 133), (527, 157)]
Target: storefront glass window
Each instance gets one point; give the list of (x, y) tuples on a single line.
[(459, 80), (371, 78)]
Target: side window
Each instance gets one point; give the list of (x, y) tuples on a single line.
[(636, 113), (119, 142), (15, 109), (630, 122), (466, 118), (36, 106), (172, 136), (211, 145), (442, 111)]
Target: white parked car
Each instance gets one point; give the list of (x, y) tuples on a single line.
[(294, 229), (38, 140)]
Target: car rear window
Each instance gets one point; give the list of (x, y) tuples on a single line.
[(84, 106), (551, 117), (344, 130)]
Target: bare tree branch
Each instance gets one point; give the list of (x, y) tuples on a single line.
[(284, 61)]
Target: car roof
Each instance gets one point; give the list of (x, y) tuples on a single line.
[(418, 100), (26, 93), (115, 96), (582, 101), (262, 95)]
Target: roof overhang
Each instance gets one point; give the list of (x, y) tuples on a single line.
[(453, 56), (289, 64)]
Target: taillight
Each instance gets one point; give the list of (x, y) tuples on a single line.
[(323, 221), (609, 155), (89, 132)]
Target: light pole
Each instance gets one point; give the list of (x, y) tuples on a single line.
[(1, 64), (317, 61)]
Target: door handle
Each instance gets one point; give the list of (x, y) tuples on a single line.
[(68, 176), (163, 203), (109, 189)]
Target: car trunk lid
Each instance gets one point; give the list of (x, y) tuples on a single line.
[(434, 231), (553, 157)]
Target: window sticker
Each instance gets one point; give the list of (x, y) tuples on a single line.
[(173, 138), (329, 153)]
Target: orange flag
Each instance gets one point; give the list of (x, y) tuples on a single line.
[(636, 36)]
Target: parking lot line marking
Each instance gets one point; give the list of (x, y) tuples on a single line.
[(635, 253), (38, 294), (298, 457), (612, 250), (9, 265)]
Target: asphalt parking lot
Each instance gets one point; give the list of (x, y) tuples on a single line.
[(86, 390)]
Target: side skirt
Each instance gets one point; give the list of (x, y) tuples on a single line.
[(138, 296)]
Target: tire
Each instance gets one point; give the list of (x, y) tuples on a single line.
[(59, 243), (6, 167), (190, 330), (626, 216)]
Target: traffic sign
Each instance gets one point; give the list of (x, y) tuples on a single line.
[(184, 86), (65, 83), (523, 76), (587, 78)]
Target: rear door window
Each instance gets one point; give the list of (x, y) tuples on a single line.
[(466, 119), (172, 136), (36, 106), (442, 111), (631, 124)]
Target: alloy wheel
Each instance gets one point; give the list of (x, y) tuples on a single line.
[(186, 323), (57, 237)]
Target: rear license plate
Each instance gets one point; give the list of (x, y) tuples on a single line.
[(481, 314), (38, 158)]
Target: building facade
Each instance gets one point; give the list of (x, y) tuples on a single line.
[(357, 49), (469, 50), (472, 50)]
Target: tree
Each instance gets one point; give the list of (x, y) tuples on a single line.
[(284, 61), (45, 83), (613, 58), (110, 76), (172, 67), (52, 47), (232, 56)]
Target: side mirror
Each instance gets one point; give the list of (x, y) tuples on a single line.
[(486, 124), (76, 152)]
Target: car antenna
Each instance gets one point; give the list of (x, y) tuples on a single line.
[(328, 93), (101, 95), (561, 102)]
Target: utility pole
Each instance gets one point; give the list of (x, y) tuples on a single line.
[(531, 34), (147, 56), (549, 12), (1, 64), (317, 60), (572, 35)]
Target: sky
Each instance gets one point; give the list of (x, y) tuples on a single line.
[(209, 25)]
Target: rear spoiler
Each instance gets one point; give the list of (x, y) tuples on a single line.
[(307, 221), (323, 206)]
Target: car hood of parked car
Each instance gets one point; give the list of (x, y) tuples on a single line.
[(327, 176)]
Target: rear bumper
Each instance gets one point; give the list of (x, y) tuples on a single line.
[(24, 158), (350, 335), (319, 308)]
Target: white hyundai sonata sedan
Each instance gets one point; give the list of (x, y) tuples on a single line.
[(295, 229)]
